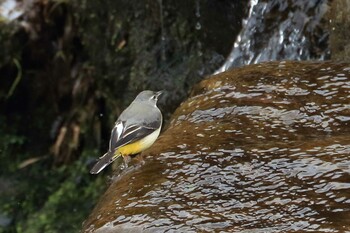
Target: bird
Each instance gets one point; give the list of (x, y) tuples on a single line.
[(136, 129)]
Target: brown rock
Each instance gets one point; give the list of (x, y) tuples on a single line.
[(340, 34), (264, 147)]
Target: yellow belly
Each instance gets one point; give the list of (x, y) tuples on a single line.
[(139, 146), (130, 149)]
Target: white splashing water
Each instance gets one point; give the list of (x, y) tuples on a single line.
[(278, 30)]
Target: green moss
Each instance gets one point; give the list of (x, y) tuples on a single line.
[(51, 200), (67, 206)]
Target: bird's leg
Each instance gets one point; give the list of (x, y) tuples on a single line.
[(126, 159), (140, 159)]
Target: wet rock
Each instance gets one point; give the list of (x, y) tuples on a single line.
[(339, 38), (70, 67), (157, 45), (264, 147)]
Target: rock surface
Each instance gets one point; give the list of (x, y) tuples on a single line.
[(339, 38), (261, 148)]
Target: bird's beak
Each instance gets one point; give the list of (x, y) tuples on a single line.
[(157, 94)]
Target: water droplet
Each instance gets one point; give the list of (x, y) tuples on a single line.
[(198, 26)]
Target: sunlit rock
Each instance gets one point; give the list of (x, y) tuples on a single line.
[(265, 147)]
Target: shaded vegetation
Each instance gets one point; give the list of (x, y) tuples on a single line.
[(67, 69)]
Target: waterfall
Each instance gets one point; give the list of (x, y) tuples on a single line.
[(280, 30)]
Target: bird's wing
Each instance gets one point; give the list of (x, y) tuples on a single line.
[(121, 135), (116, 134), (103, 162)]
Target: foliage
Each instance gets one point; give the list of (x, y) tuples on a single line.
[(40, 198), (67, 69)]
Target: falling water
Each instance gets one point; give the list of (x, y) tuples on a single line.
[(198, 15), (198, 27), (162, 42), (280, 30)]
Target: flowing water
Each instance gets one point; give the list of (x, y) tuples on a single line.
[(264, 148), (281, 30)]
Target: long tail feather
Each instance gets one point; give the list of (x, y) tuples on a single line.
[(103, 162)]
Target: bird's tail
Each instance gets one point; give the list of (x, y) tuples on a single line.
[(104, 161)]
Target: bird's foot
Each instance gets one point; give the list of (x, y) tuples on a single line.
[(126, 159), (140, 160)]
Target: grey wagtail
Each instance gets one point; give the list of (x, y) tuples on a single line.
[(136, 129)]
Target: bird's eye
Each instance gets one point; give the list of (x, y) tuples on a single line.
[(153, 97)]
